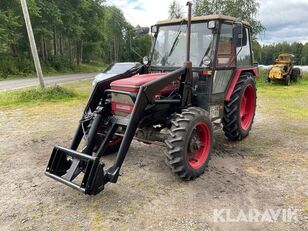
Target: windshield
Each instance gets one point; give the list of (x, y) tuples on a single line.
[(118, 68), (287, 58), (170, 45)]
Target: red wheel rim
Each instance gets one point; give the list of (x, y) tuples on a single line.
[(200, 143), (247, 107), (115, 141)]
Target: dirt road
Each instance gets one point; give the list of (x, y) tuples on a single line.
[(8, 85), (268, 170)]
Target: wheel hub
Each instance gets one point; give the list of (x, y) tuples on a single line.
[(199, 146), (194, 142)]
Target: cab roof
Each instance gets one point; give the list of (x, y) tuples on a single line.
[(201, 18), (286, 54)]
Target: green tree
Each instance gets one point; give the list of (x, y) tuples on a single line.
[(67, 34), (10, 23), (304, 58), (296, 50), (175, 10), (243, 9), (257, 51)]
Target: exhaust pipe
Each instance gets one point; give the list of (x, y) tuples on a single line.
[(186, 89), (189, 4)]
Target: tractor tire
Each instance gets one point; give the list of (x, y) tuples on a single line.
[(190, 142), (296, 72), (113, 145), (239, 112), (287, 80)]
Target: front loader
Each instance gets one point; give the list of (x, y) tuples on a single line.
[(200, 70)]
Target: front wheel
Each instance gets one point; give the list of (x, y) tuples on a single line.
[(113, 145), (239, 112), (190, 143)]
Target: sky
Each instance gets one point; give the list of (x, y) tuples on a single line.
[(284, 20)]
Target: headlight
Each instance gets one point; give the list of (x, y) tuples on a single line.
[(206, 61), (145, 60)]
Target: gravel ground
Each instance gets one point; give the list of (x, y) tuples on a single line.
[(267, 170)]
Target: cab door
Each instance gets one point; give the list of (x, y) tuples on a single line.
[(225, 63)]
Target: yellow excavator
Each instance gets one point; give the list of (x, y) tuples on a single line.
[(283, 69)]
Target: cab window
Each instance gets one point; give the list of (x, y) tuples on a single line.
[(226, 49), (243, 53)]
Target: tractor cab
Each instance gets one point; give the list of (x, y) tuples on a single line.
[(285, 58), (220, 47), (216, 41)]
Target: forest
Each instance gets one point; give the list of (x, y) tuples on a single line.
[(266, 54), (70, 33)]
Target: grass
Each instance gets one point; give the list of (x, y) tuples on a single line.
[(289, 102), (38, 96)]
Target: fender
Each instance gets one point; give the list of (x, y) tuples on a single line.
[(236, 76)]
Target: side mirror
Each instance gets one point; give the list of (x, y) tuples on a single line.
[(239, 35), (142, 30), (211, 25), (154, 29)]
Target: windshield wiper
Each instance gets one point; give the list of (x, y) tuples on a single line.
[(206, 52), (175, 42)]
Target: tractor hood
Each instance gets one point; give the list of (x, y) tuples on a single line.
[(123, 105), (276, 72), (102, 76), (133, 84)]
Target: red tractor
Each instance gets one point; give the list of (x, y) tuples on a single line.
[(200, 70)]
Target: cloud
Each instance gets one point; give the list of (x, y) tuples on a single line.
[(131, 1), (284, 21), (144, 13), (139, 7), (135, 4)]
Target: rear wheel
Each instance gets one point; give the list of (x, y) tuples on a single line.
[(268, 79), (239, 112), (287, 80), (190, 143), (296, 72)]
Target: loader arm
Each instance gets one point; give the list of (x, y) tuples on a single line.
[(144, 98), (66, 164), (94, 99)]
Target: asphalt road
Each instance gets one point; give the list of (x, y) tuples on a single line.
[(8, 85)]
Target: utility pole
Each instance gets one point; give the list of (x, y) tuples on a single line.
[(35, 56)]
